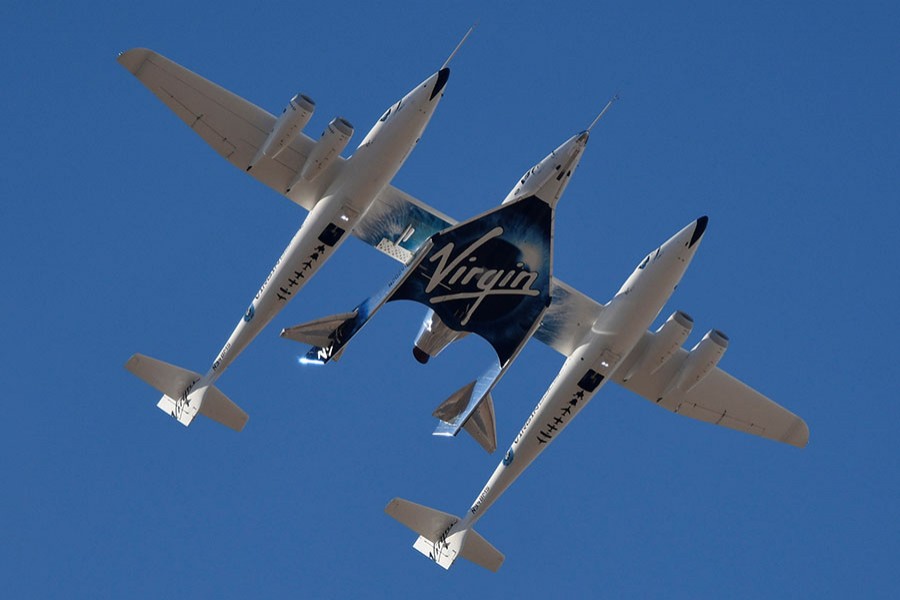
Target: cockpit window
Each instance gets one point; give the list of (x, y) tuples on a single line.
[(653, 255), (392, 109)]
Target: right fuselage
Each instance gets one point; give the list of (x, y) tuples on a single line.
[(614, 334)]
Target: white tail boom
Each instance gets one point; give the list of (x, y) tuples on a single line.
[(441, 536), (185, 394)]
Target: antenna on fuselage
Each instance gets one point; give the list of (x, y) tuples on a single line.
[(603, 112), (459, 45)]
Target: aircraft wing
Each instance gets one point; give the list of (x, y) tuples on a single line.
[(397, 224), (564, 323), (234, 127), (718, 398)]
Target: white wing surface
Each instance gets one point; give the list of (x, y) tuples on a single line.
[(718, 398), (234, 127), (398, 224), (568, 318)]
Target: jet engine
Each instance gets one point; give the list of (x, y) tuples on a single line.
[(333, 141), (433, 337), (293, 119), (702, 359), (665, 342)]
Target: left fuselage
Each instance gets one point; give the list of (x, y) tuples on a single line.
[(340, 207)]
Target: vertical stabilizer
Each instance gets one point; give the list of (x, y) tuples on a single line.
[(471, 408), (481, 425)]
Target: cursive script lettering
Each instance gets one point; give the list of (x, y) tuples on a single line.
[(464, 270)]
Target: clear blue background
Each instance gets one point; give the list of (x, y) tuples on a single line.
[(122, 232)]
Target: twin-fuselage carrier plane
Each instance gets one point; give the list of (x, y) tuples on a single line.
[(490, 275)]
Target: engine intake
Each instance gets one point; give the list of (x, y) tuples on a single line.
[(290, 123), (333, 141), (665, 342), (702, 359)]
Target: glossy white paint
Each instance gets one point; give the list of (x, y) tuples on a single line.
[(338, 192), (618, 346)]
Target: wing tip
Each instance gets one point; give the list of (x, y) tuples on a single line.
[(798, 434), (134, 58)]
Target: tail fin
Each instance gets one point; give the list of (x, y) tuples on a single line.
[(320, 332), (440, 540), (471, 408), (481, 425), (182, 398)]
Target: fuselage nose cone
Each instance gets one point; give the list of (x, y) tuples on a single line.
[(442, 77), (699, 228)]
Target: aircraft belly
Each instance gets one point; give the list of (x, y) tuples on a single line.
[(569, 393), (309, 249)]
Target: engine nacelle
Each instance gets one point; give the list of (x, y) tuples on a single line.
[(433, 337), (288, 126), (666, 341), (333, 141), (702, 359)]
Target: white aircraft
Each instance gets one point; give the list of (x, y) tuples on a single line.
[(491, 275), (343, 196), (612, 342)]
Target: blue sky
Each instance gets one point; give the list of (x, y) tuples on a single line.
[(123, 233)]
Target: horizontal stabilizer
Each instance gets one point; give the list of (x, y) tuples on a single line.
[(481, 552), (180, 399), (320, 332), (425, 521), (437, 539), (218, 407), (168, 379)]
